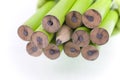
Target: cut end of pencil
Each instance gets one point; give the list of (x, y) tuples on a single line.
[(51, 24), (33, 50), (81, 38), (91, 18), (90, 53), (52, 51), (40, 39), (99, 36), (25, 32), (73, 19), (71, 49)]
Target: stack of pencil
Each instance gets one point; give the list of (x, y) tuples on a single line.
[(72, 26)]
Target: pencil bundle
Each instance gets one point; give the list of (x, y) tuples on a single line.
[(72, 26)]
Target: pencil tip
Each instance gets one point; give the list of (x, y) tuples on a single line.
[(58, 42)]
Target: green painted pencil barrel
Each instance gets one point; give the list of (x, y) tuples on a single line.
[(101, 34), (74, 16), (25, 31), (96, 13), (56, 16)]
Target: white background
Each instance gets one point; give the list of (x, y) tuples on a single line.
[(16, 64)]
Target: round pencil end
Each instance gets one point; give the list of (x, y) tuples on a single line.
[(99, 36), (40, 39), (90, 53), (73, 19), (25, 32), (33, 50), (71, 49), (81, 38), (91, 18), (51, 24), (52, 51)]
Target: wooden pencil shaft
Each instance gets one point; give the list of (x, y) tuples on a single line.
[(71, 49), (81, 36), (42, 38), (73, 19), (63, 35), (90, 52), (33, 50), (49, 35), (52, 51)]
